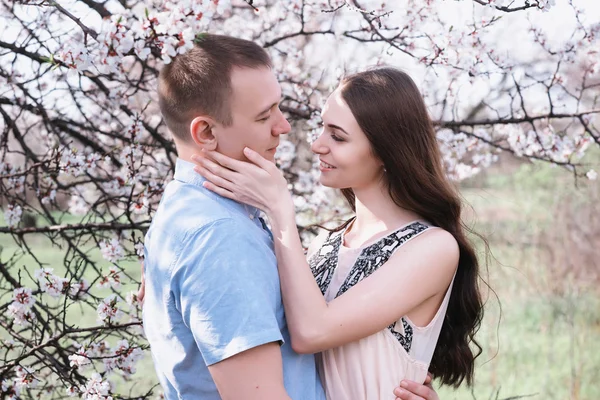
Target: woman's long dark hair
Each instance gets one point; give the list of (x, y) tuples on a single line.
[(391, 112)]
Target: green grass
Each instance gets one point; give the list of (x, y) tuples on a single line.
[(546, 344)]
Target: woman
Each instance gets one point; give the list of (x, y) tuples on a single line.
[(392, 292)]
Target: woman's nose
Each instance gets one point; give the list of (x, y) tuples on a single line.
[(318, 145)]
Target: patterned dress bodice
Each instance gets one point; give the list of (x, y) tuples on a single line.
[(324, 263)]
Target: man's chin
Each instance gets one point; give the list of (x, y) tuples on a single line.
[(270, 155)]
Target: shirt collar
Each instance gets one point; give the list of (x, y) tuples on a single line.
[(184, 172)]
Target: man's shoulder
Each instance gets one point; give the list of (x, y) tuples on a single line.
[(188, 215), (186, 208)]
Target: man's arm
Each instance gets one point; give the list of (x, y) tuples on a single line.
[(253, 374), (409, 390)]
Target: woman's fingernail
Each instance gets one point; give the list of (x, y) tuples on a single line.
[(195, 157), (403, 384)]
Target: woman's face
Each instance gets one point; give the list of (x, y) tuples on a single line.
[(344, 151)]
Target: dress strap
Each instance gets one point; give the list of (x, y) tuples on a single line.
[(324, 261)]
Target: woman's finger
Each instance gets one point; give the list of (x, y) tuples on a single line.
[(217, 169), (406, 395), (259, 160), (214, 179), (428, 379), (219, 190), (413, 390), (225, 161)]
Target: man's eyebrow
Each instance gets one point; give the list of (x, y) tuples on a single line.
[(267, 109), (339, 128)]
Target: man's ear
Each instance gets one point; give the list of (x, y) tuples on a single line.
[(201, 130)]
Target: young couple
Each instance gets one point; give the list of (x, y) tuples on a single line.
[(235, 310)]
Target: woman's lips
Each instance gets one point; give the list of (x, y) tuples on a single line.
[(323, 166)]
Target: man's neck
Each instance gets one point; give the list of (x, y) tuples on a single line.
[(186, 152)]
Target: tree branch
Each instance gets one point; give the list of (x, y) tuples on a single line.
[(107, 226)]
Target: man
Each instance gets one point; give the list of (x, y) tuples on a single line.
[(212, 304)]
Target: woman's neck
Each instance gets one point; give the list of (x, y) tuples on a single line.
[(376, 212)]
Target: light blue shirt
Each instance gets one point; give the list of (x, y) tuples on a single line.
[(212, 291)]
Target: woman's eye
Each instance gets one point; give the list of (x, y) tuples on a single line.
[(265, 118), (336, 138)]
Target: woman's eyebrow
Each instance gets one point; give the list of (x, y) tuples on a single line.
[(339, 128)]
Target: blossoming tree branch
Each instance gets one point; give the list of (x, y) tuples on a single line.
[(85, 154)]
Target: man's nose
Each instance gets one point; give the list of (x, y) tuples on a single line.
[(282, 127)]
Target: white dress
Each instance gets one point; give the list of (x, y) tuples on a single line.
[(371, 367)]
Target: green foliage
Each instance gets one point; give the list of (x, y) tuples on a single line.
[(546, 342)]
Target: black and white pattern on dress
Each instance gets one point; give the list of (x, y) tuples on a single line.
[(373, 257), (404, 336), (324, 261)]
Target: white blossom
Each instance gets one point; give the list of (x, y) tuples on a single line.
[(305, 182), (111, 250), (10, 390), (20, 308), (125, 359), (108, 311), (51, 284), (116, 187), (25, 378), (285, 154), (79, 359), (139, 249), (96, 388), (13, 214), (72, 391), (79, 289), (23, 297), (141, 205), (78, 205), (112, 279)]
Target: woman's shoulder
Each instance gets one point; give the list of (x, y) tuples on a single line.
[(433, 244), (441, 241)]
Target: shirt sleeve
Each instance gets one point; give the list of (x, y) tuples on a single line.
[(229, 293)]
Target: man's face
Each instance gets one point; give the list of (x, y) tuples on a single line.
[(257, 119)]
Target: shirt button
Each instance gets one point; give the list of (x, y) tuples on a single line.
[(251, 216)]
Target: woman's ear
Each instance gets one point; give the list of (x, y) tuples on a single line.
[(201, 130)]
